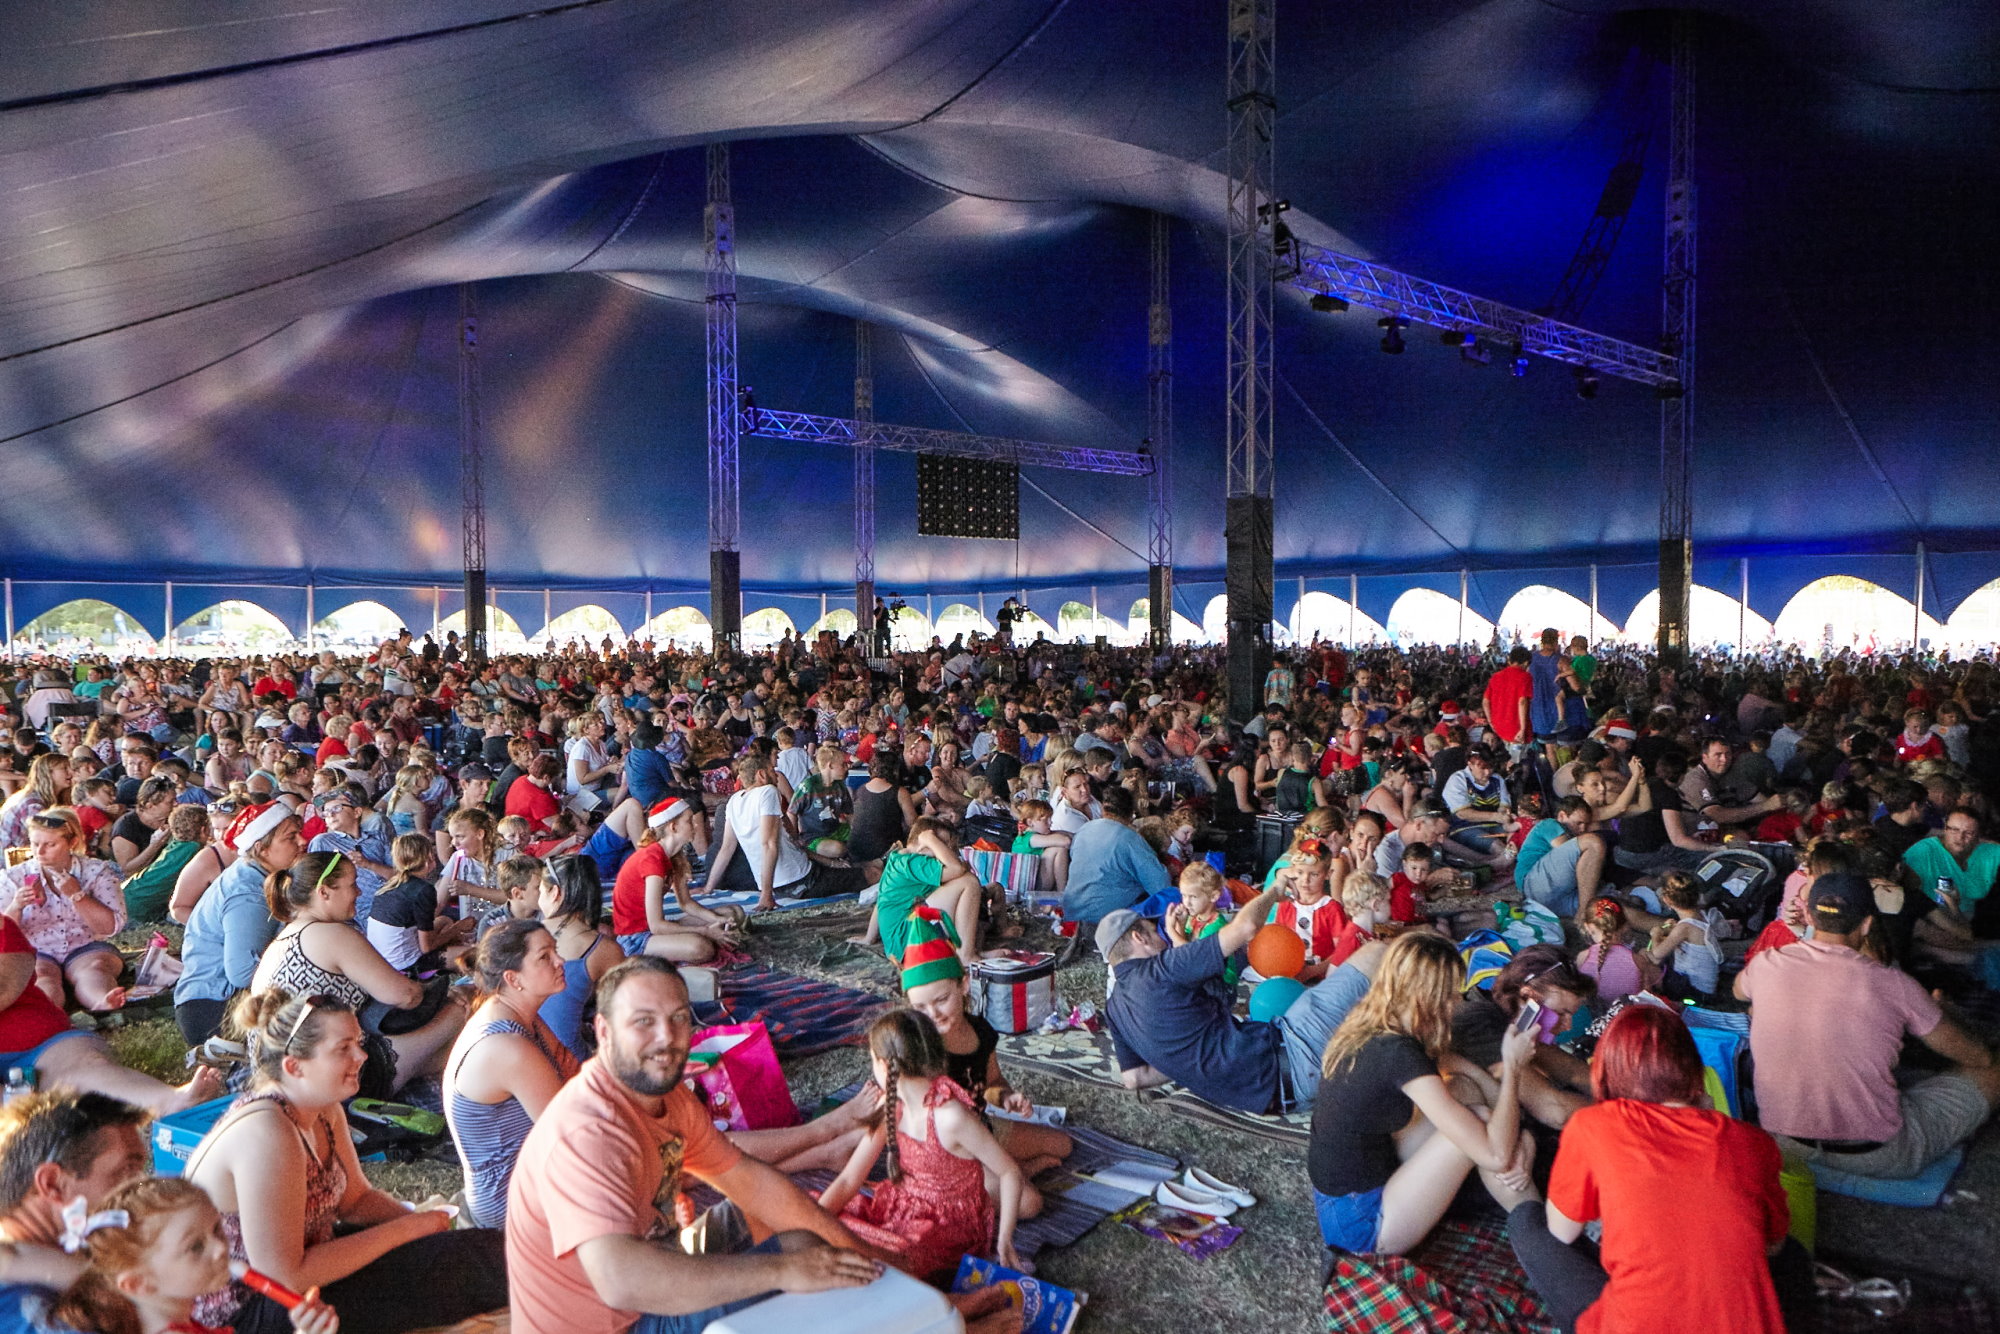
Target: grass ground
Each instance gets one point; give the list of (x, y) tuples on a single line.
[(1267, 1280)]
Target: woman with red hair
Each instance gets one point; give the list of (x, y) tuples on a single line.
[(1671, 1257)]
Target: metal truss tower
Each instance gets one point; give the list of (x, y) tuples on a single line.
[(1160, 438), (725, 557), (812, 429), (471, 475), (1677, 330), (864, 481), (1253, 225)]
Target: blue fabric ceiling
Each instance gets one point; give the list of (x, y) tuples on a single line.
[(228, 304)]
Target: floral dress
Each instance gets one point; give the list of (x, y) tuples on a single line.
[(939, 1211)]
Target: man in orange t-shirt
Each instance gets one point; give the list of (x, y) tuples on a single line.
[(590, 1210)]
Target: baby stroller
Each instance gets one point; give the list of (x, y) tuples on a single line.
[(1742, 884)]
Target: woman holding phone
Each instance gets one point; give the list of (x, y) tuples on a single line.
[(1391, 1143)]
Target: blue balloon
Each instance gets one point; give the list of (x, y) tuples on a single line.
[(1274, 996)]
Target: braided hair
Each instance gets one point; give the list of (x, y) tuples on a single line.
[(907, 1043), (1608, 916)]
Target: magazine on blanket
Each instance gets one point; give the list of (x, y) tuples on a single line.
[(1044, 1307)]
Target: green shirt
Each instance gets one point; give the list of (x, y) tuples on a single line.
[(1025, 843), (147, 892), (907, 880), (1972, 882), (1585, 667)]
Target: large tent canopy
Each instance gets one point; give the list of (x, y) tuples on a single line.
[(234, 237)]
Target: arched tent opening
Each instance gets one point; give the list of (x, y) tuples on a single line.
[(1843, 612), (682, 626), (86, 623), (1140, 622), (1976, 623), (589, 624), (909, 629), (1027, 625), (503, 632), (840, 620), (363, 624), (1324, 616), (960, 618), (1426, 616), (1714, 619), (228, 628), (761, 629), (1077, 623), (1215, 623), (1538, 607)]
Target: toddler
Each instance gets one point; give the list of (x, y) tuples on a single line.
[(1689, 944)]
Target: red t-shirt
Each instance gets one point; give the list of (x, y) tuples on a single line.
[(33, 1018), (273, 684), (1678, 1258), (332, 748), (628, 895), (1347, 938), (1504, 693), (1931, 748), (1778, 827), (531, 802), (1403, 895)]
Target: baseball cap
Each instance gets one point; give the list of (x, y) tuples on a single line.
[(1113, 926), (1840, 901), (474, 772)]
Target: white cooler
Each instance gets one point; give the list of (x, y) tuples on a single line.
[(893, 1304)]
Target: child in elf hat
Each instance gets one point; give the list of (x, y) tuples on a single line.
[(934, 982)]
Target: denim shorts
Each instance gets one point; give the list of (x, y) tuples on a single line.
[(634, 942), (1351, 1222)]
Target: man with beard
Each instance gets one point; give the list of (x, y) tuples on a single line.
[(591, 1241)]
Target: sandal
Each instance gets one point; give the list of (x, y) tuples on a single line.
[(1884, 1298)]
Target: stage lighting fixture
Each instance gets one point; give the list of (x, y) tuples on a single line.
[(1327, 304), (1392, 341), (1453, 337), (1475, 352), (1586, 382), (1520, 367)]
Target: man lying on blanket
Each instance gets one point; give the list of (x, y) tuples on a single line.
[(1169, 1021)]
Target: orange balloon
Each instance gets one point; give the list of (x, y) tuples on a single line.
[(1277, 951)]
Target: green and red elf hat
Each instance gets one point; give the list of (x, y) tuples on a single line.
[(930, 949)]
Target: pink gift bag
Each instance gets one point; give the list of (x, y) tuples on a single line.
[(735, 1069)]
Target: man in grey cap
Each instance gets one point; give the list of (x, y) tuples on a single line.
[(1170, 1020), (1827, 1025)]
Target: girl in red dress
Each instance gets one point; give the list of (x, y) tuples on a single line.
[(934, 1208)]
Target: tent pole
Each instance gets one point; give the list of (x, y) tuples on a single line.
[(169, 640), (312, 639), (437, 608), (10, 620), (649, 612), (1917, 614), (1353, 599), (1742, 609), (1462, 580), (1593, 605)]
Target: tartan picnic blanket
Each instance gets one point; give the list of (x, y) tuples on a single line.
[(804, 1015), (1464, 1281)]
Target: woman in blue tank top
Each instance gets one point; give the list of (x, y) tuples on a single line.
[(572, 904), (506, 1064)]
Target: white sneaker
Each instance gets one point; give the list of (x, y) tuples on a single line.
[(1199, 1180), (1188, 1199)]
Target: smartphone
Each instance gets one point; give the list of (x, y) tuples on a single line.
[(1529, 1017)]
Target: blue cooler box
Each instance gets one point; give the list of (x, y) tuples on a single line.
[(174, 1137)]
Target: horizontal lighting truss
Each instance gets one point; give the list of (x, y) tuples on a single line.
[(1318, 270), (809, 428)]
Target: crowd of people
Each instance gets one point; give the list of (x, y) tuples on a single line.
[(414, 867)]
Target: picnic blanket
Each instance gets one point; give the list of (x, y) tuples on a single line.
[(1088, 1059), (1464, 1280), (805, 1015), (1070, 1207)]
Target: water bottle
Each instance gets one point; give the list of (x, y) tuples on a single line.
[(20, 1083)]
